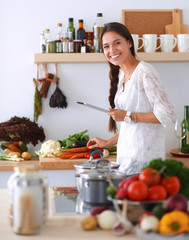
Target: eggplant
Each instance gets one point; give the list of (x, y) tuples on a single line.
[(79, 144)]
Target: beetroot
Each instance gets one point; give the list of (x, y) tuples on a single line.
[(177, 202)]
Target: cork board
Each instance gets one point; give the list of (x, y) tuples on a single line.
[(147, 21), (152, 21)]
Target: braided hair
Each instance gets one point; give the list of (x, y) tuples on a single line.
[(114, 69)]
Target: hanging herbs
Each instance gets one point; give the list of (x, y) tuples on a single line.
[(57, 99), (37, 102)]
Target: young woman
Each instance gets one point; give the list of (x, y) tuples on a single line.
[(138, 101)]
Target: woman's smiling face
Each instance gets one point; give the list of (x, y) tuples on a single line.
[(116, 48)]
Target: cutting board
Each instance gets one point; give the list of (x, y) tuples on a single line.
[(64, 164), (177, 27)]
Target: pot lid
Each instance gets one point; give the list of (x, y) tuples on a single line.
[(100, 174), (91, 164)]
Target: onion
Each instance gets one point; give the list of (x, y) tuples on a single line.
[(107, 219), (177, 202)]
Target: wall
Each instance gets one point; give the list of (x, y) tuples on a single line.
[(22, 21)]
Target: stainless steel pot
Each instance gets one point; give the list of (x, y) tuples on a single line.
[(89, 165), (95, 183)]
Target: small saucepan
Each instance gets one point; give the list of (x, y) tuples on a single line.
[(96, 181), (89, 165)]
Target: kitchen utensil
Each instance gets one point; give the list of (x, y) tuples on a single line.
[(89, 165), (92, 106), (96, 181)]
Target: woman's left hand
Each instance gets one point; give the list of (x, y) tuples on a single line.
[(118, 115)]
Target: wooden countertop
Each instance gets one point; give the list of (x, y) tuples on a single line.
[(63, 164), (57, 227)]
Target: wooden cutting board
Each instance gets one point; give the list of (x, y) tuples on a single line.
[(177, 27), (64, 164)]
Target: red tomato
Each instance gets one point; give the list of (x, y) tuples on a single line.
[(129, 181), (144, 215), (137, 191), (16, 143), (121, 194), (150, 176), (157, 193), (122, 183), (171, 184)]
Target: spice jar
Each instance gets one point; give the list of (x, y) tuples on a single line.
[(28, 199), (77, 46)]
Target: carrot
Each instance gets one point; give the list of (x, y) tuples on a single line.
[(78, 155), (65, 156), (14, 148), (77, 150)]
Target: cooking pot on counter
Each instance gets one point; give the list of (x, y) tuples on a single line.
[(96, 181), (89, 165)]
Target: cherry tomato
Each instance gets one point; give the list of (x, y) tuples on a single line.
[(127, 181), (150, 176), (16, 143), (157, 193), (137, 191), (171, 184), (87, 155)]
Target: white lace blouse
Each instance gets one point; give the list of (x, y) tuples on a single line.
[(138, 143)]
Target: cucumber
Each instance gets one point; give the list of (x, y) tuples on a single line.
[(79, 144), (3, 147)]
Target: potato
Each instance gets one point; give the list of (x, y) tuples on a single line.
[(26, 156), (7, 151), (17, 154), (89, 223)]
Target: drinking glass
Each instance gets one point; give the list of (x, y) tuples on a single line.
[(178, 131)]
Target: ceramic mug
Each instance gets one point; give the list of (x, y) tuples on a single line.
[(168, 42), (150, 42), (183, 42), (136, 40)]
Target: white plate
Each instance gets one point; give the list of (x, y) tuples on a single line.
[(155, 236)]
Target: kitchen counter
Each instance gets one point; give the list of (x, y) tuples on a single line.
[(56, 227), (60, 172), (64, 164)]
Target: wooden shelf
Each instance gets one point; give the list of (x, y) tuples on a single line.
[(99, 57)]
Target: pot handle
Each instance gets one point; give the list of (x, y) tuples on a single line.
[(102, 161), (94, 152)]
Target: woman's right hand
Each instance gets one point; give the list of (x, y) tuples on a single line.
[(97, 142)]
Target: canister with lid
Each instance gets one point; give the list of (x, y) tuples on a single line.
[(27, 199)]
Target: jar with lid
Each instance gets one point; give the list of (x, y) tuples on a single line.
[(70, 42), (50, 44), (65, 42), (77, 46), (28, 200)]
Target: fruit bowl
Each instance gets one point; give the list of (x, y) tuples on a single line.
[(133, 209)]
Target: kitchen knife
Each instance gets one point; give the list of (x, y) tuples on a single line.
[(92, 106)]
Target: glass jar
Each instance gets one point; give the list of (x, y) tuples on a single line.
[(77, 46), (28, 199)]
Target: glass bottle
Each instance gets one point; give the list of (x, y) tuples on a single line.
[(71, 27), (59, 31), (99, 24), (81, 31), (185, 131), (42, 48)]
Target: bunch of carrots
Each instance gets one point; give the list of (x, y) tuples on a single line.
[(74, 153)]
